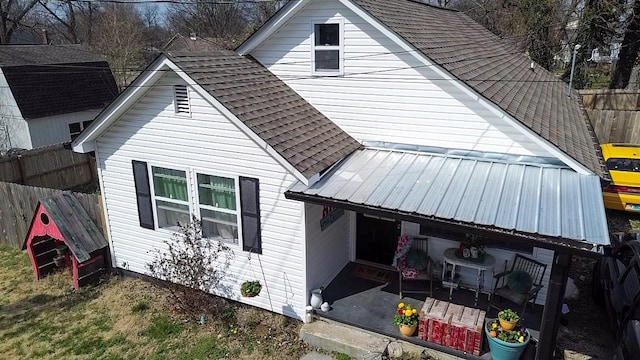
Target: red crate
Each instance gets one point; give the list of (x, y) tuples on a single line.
[(452, 325)]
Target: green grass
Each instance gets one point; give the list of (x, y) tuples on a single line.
[(124, 319)]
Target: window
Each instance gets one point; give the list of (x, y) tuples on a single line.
[(181, 99), (461, 236), (76, 128), (218, 210), (171, 196), (221, 202), (327, 49)]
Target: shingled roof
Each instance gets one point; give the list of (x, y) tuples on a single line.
[(497, 71), (49, 80), (295, 129)]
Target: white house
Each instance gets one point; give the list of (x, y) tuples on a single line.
[(50, 93), (407, 118)]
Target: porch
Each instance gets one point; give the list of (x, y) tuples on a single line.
[(369, 304)]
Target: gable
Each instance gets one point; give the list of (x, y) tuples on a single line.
[(571, 139)]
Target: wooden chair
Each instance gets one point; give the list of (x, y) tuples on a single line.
[(407, 273), (534, 268)]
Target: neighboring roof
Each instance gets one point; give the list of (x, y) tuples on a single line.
[(496, 70), (80, 232), (20, 55), (180, 42), (277, 114), (544, 202), (49, 80)]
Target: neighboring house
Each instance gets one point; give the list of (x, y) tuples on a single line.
[(406, 117), (50, 93)]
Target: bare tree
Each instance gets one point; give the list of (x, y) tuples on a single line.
[(263, 11), (226, 21), (70, 19), (119, 36), (629, 51), (12, 15)]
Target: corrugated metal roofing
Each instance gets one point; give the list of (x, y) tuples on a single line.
[(547, 200)]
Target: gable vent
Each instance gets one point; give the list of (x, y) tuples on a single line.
[(181, 99)]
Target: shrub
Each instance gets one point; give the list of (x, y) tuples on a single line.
[(192, 265)]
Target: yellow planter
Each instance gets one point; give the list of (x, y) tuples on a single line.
[(507, 325), (406, 330)]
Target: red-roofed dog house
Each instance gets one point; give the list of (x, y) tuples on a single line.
[(62, 235)]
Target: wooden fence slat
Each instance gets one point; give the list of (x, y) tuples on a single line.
[(19, 204)]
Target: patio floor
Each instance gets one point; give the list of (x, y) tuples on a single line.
[(370, 305)]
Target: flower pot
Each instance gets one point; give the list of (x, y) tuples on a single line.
[(316, 298), (507, 325), (407, 330), (502, 350)]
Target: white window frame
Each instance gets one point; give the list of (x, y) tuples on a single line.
[(340, 47), (175, 100), (152, 189), (237, 211)]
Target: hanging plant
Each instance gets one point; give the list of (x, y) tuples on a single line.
[(250, 288)]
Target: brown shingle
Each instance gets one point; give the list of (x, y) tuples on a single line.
[(497, 71), (271, 109)]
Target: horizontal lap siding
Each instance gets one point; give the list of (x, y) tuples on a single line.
[(207, 141), (386, 94), (328, 250)]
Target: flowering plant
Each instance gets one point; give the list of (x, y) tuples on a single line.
[(517, 335), (405, 315)]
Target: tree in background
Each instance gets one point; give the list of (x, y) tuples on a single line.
[(597, 25), (226, 22), (263, 11), (13, 13), (69, 19), (629, 51), (119, 35)]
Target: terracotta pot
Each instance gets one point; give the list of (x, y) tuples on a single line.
[(507, 325), (406, 330)]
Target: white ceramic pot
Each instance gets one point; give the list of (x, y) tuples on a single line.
[(316, 298), (325, 306)]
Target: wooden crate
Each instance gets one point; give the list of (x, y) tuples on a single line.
[(452, 325)]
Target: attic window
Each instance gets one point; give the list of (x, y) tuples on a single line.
[(181, 99), (327, 48)]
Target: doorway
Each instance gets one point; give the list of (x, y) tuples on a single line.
[(376, 239)]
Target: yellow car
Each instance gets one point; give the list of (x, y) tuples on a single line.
[(623, 163)]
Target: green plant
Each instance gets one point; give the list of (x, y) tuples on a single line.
[(509, 315), (405, 315), (517, 335), (141, 305), (342, 356), (162, 327), (250, 288)]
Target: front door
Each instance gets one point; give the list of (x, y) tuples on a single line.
[(376, 238)]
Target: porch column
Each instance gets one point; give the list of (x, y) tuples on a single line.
[(553, 305)]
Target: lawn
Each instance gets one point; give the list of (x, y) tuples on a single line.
[(125, 318)]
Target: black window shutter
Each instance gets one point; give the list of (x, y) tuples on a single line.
[(250, 212), (143, 194)]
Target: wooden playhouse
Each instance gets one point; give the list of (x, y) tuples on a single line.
[(62, 235)]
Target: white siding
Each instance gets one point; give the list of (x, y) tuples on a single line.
[(386, 94), (206, 141), (328, 250), (14, 132), (504, 259), (55, 129)]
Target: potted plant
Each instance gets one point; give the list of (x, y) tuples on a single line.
[(508, 319), (250, 288), (506, 344), (406, 319)]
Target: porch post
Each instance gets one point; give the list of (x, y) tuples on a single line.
[(553, 305)]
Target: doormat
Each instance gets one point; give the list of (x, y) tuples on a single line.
[(373, 273)]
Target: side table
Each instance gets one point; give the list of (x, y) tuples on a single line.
[(451, 258)]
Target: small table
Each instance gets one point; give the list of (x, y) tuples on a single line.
[(451, 258)]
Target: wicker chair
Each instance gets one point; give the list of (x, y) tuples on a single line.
[(407, 273), (534, 268)]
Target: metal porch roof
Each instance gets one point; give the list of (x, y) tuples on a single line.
[(528, 198)]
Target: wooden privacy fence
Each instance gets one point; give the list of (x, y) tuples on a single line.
[(51, 167), (614, 114), (18, 204)]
